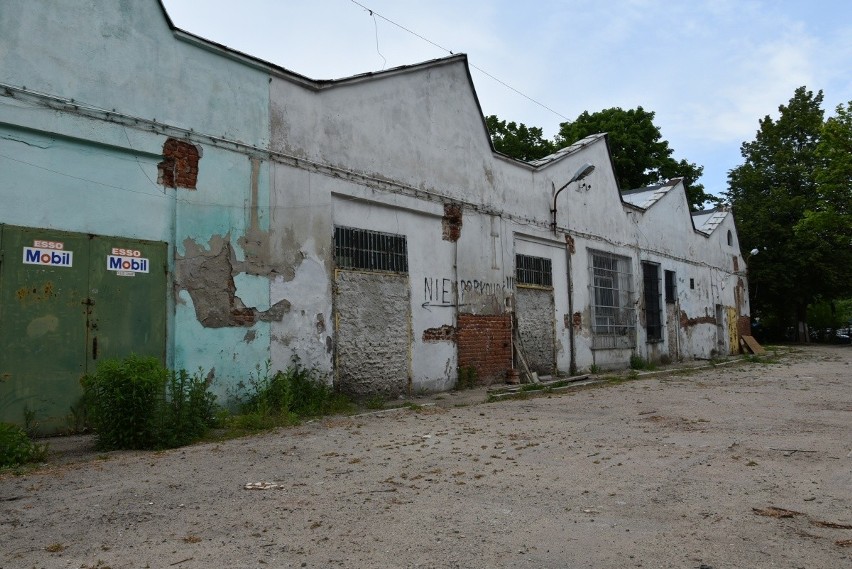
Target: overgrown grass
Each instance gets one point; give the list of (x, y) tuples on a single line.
[(16, 447), (270, 400)]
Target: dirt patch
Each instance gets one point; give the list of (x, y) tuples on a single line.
[(656, 472)]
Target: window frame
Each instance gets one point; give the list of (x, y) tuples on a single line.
[(611, 300), (357, 249), (652, 296)]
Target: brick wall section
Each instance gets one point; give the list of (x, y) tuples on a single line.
[(485, 343), (179, 168)]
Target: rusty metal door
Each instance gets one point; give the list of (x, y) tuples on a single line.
[(43, 316), (127, 295), (62, 308)]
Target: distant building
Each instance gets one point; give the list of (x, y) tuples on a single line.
[(163, 194)]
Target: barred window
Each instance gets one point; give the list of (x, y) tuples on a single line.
[(370, 250), (651, 291), (613, 312), (533, 270)]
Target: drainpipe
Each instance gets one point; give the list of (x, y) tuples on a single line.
[(569, 250)]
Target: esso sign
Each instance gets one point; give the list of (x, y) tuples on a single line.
[(54, 245), (126, 252)]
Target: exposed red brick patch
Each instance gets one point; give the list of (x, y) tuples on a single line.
[(451, 223), (179, 168), (686, 321), (578, 320), (569, 242), (445, 333), (485, 344)]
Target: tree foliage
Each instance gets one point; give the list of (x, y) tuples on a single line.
[(518, 140), (791, 200), (641, 157)]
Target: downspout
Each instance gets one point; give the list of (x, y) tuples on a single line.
[(457, 302), (569, 250)]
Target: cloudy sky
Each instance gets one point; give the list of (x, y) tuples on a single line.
[(708, 69)]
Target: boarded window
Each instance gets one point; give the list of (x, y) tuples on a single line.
[(651, 290), (370, 250), (613, 314), (533, 271)]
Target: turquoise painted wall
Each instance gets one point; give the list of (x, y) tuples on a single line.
[(66, 170)]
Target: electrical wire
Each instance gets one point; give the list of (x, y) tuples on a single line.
[(373, 14)]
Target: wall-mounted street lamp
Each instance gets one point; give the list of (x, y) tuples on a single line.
[(584, 171)]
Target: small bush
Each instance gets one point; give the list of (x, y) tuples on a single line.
[(16, 448), (637, 362), (136, 403)]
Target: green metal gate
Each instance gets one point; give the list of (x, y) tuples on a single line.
[(67, 301)]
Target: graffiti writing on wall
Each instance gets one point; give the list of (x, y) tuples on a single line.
[(443, 293)]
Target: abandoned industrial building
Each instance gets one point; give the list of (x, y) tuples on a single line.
[(163, 194)]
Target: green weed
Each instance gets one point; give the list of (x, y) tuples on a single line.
[(273, 400), (375, 402), (16, 448), (637, 362), (136, 403), (467, 378)]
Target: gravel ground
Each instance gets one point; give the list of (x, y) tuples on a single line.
[(740, 466)]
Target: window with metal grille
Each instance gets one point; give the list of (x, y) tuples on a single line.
[(651, 290), (533, 270), (671, 287), (370, 250), (613, 312)]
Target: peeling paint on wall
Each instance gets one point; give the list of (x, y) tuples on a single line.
[(208, 276), (687, 322)]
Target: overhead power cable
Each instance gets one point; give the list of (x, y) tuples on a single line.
[(373, 14)]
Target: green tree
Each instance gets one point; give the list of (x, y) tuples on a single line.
[(640, 155), (784, 198), (518, 140), (830, 216)]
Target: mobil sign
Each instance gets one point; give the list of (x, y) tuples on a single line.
[(49, 253), (127, 262)]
